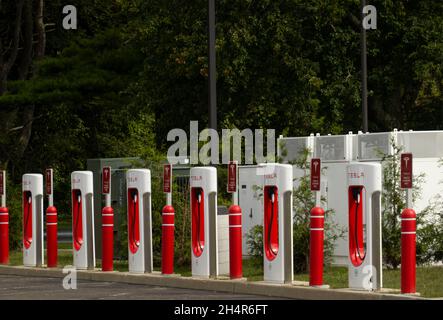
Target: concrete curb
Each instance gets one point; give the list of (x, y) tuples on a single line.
[(229, 286)]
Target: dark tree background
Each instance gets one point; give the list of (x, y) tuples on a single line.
[(136, 69)]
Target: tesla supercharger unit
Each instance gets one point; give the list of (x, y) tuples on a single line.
[(364, 226), (33, 252), (83, 220), (204, 249), (139, 220), (278, 222)]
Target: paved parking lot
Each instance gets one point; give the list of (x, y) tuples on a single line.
[(41, 288)]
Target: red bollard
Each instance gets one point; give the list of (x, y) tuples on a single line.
[(316, 246), (107, 239), (408, 250), (51, 236), (4, 235), (235, 242), (168, 239)]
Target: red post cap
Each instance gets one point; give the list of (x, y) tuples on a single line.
[(317, 211), (51, 209), (408, 213), (168, 209), (108, 210), (234, 209)]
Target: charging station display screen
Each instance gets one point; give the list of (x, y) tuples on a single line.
[(271, 222)]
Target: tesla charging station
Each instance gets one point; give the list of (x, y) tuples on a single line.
[(278, 221), (364, 226), (83, 219), (203, 185), (139, 220), (32, 185)]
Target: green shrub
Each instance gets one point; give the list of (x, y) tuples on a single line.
[(304, 201), (429, 220)]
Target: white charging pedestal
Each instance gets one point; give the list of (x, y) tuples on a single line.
[(277, 222), (83, 220), (364, 226), (33, 251), (139, 221), (203, 183)]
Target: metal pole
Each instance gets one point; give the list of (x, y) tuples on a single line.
[(51, 196), (3, 196), (212, 67), (318, 198), (235, 198), (409, 203), (169, 198), (364, 71)]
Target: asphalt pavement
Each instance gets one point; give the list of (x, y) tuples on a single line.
[(42, 288)]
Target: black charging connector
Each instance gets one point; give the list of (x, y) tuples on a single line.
[(356, 191)]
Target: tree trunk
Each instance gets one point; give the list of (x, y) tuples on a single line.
[(6, 66), (41, 32), (25, 60)]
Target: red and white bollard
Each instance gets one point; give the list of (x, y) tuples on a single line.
[(107, 239), (51, 236), (4, 235), (235, 242), (408, 251), (168, 238), (316, 246)]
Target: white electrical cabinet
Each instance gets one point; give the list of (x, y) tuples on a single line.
[(336, 152)]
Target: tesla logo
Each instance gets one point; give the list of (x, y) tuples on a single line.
[(356, 175), (132, 179), (196, 178), (406, 162), (315, 166), (270, 176)]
